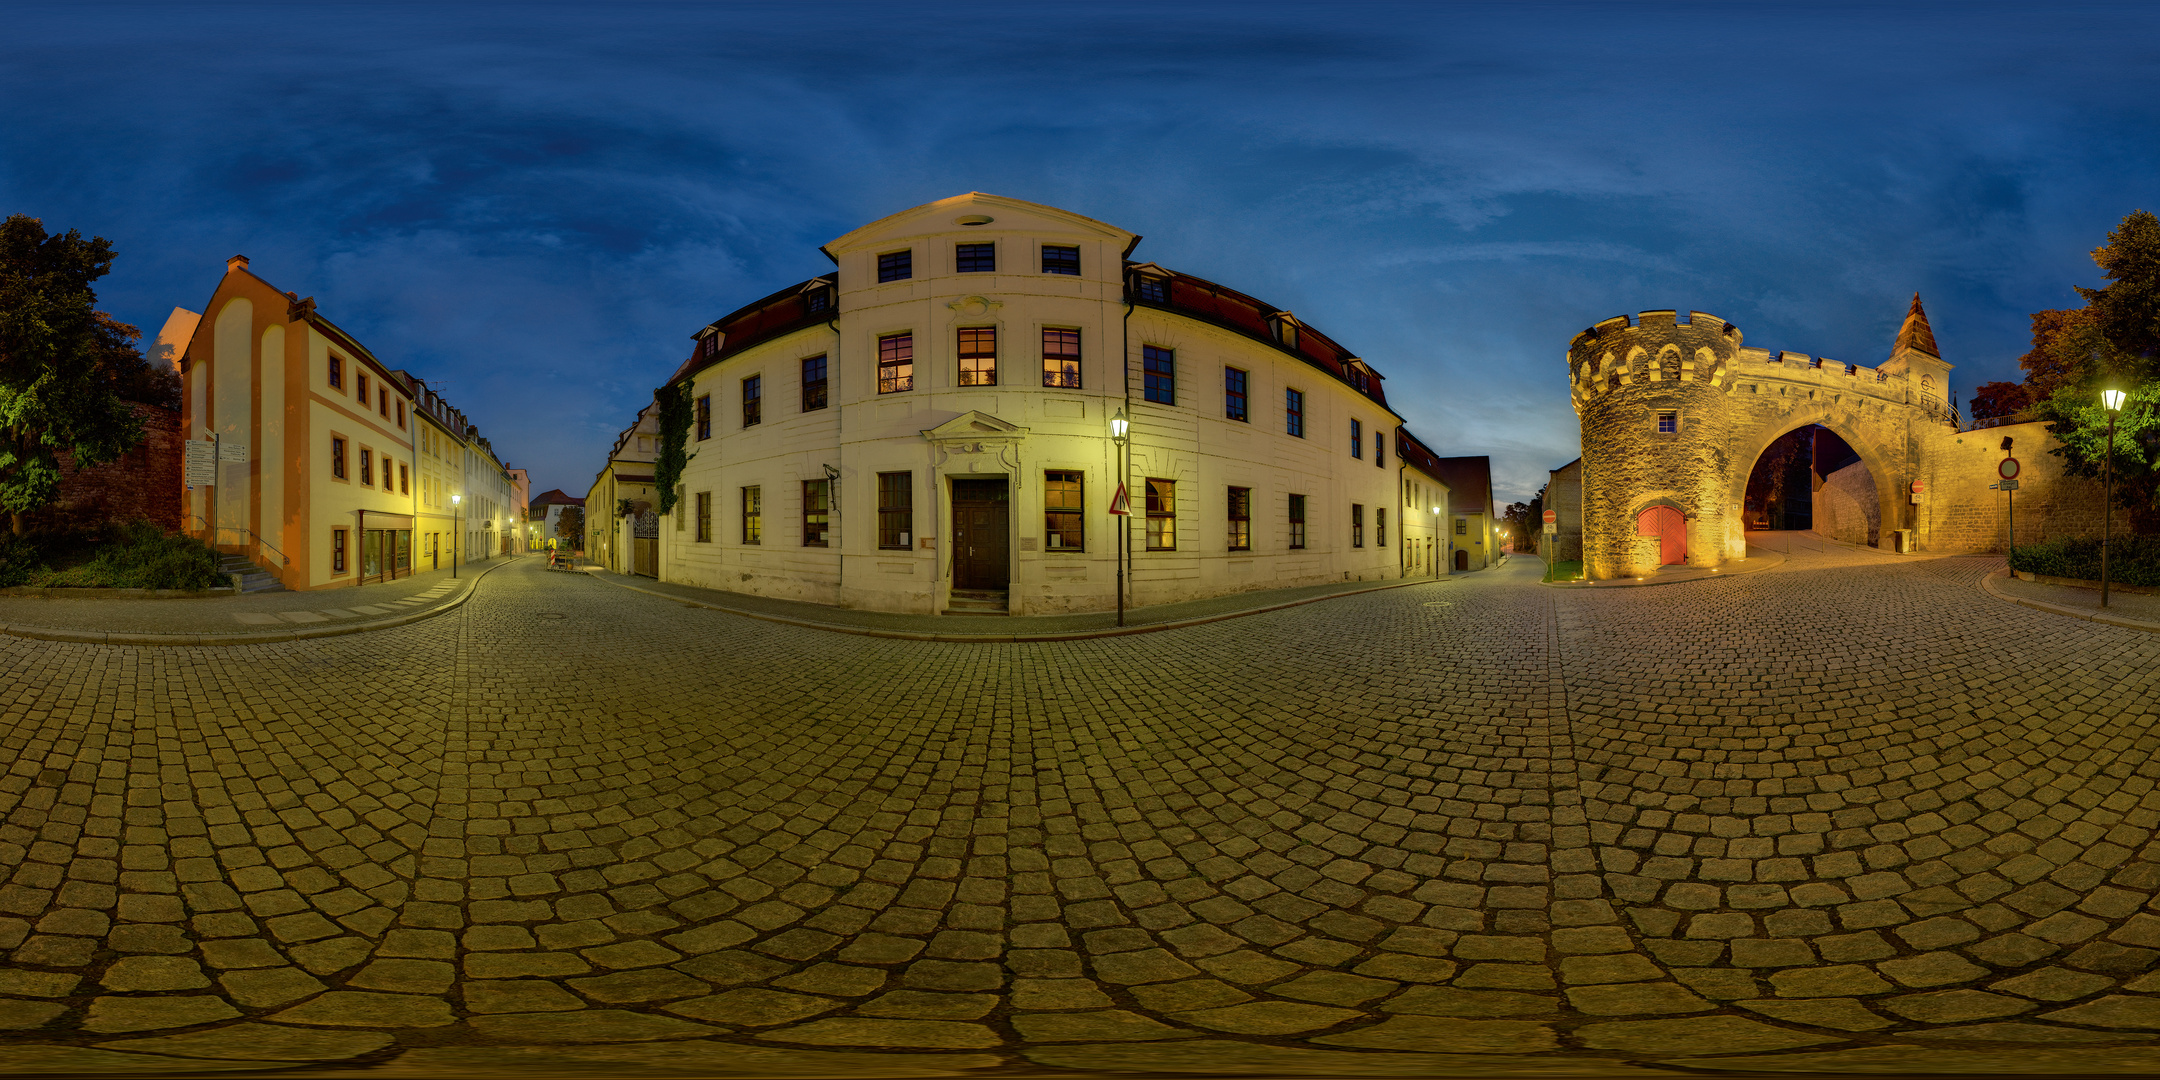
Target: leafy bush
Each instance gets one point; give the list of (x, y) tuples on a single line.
[(138, 556), (20, 559), (2132, 560)]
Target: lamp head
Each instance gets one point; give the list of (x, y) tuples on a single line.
[(454, 499), (2112, 400), (1119, 425)]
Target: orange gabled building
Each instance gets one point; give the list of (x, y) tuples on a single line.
[(317, 481)]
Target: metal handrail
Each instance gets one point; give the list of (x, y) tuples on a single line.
[(223, 529)]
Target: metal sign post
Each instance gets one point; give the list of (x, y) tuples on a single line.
[(2008, 470)]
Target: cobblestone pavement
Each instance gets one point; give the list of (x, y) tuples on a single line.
[(1841, 816)]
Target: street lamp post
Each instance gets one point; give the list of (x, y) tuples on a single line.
[(454, 533), (1118, 427), (1435, 552), (2112, 401)]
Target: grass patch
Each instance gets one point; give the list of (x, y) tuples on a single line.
[(134, 556), (2132, 560), (1567, 570)]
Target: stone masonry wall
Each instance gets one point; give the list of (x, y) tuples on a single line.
[(1959, 513), (1846, 506), (143, 483)]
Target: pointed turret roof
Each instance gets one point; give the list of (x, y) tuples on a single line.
[(1916, 334)]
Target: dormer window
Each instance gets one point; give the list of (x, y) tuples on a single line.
[(709, 340), (1152, 290), (1286, 329), (818, 301)]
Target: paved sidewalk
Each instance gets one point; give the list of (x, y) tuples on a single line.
[(2133, 610), (1015, 627), (250, 617)]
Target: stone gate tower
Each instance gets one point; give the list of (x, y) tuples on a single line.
[(1650, 393), (1675, 413)]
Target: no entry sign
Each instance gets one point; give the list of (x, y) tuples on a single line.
[(2008, 468), (1552, 517)]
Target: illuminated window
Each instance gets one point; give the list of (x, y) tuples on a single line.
[(1297, 521), (816, 509), (1240, 515), (1064, 525), (978, 356), (1161, 515), (896, 363), (753, 516), (1061, 359)]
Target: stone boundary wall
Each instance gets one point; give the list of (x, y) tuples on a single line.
[(1959, 513), (143, 483)]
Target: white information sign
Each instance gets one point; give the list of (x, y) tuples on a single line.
[(200, 464), (229, 450)]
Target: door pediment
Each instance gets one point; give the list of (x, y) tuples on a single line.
[(973, 426)]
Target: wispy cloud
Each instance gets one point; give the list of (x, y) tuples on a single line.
[(536, 204)]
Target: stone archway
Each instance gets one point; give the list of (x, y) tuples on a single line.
[(1884, 465)]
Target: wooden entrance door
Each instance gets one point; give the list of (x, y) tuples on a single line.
[(982, 558), (1670, 527)]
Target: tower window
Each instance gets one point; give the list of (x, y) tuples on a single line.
[(1668, 422)]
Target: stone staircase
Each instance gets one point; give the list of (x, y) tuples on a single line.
[(977, 602), (253, 578)]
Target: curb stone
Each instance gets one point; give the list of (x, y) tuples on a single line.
[(1987, 585), (1768, 560), (1066, 635), (118, 637)]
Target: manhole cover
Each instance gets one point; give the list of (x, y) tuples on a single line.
[(553, 615)]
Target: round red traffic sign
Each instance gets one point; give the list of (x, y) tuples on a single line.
[(1919, 487), (2008, 468), (1551, 516)]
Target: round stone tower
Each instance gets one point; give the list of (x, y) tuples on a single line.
[(1652, 396)]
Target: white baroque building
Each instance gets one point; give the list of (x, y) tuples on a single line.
[(929, 429)]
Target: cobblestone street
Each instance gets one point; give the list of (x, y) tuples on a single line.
[(1846, 815)]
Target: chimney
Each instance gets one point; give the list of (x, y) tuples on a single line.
[(237, 262)]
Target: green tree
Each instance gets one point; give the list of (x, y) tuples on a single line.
[(63, 364), (2113, 342), (570, 525)]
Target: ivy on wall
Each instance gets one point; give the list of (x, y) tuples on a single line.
[(675, 410)]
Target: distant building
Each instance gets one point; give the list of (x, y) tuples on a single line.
[(333, 463), (1563, 499), (1426, 514), (1474, 532), (544, 514), (622, 528)]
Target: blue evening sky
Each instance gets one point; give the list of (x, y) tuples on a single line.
[(537, 204)]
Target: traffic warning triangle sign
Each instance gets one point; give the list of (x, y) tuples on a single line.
[(1120, 503)]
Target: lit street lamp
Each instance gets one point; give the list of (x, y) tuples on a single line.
[(1118, 427), (454, 533), (2112, 401), (1435, 552)]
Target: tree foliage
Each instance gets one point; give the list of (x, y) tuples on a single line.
[(1526, 520), (2113, 342), (570, 524), (1995, 399), (675, 410), (64, 365)]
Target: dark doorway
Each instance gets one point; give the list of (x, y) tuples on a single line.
[(982, 559), (1462, 559)]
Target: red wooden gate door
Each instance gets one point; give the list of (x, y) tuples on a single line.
[(1670, 527)]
